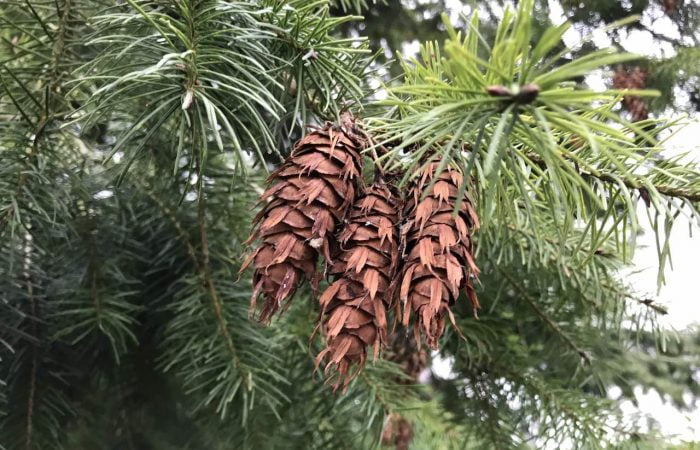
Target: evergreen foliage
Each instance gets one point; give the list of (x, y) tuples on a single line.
[(671, 25), (134, 141)]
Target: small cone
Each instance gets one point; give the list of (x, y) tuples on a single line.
[(355, 305), (309, 197), (413, 360), (671, 7), (409, 355), (439, 260), (635, 78), (397, 432)]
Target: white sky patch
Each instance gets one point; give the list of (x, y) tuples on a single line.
[(642, 42), (556, 15), (597, 80), (410, 49), (680, 293), (442, 367), (601, 38), (676, 425), (455, 8), (379, 92), (104, 194)]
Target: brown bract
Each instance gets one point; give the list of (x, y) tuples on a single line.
[(438, 260), (309, 196), (354, 307)]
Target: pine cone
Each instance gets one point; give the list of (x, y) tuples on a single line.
[(397, 432), (635, 78), (439, 250), (408, 354), (354, 307), (671, 7), (413, 360), (314, 188)]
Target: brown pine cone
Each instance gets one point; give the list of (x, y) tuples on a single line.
[(313, 190), (439, 262), (355, 305)]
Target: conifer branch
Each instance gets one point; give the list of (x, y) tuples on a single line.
[(586, 170), (168, 213), (548, 320), (211, 288), (93, 270), (570, 270), (45, 116), (202, 268), (34, 351)]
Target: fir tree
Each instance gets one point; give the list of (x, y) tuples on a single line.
[(135, 137)]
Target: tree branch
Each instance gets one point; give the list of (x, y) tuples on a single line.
[(646, 302), (211, 288), (535, 307), (588, 171), (661, 37), (44, 119), (35, 358), (202, 268)]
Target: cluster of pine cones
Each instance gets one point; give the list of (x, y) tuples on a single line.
[(385, 256)]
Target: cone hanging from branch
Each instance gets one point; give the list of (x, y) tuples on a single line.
[(413, 360), (354, 307), (635, 78), (309, 197), (438, 251)]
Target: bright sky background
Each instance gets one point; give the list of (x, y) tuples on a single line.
[(680, 294)]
